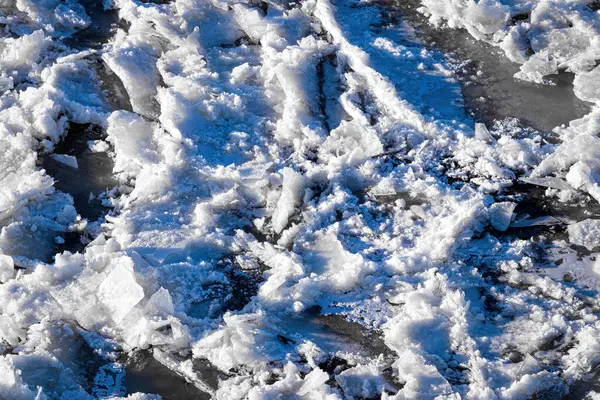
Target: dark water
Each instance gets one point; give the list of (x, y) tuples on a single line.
[(93, 175), (145, 374)]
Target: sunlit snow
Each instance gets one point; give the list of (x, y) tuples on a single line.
[(316, 199)]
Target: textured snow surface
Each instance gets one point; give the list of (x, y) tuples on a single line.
[(301, 206)]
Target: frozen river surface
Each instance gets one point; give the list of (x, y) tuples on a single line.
[(326, 199)]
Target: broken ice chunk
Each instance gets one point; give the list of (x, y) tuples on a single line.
[(537, 67), (119, 292), (501, 215), (98, 146), (247, 263), (587, 85), (585, 233), (7, 268), (161, 302), (482, 133), (313, 381), (562, 44), (549, 181), (133, 60), (72, 15), (65, 159), (291, 197), (539, 221), (385, 187), (419, 211)]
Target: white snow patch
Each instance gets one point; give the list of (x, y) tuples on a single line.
[(65, 159)]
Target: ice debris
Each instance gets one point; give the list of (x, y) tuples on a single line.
[(585, 233), (119, 292), (284, 169)]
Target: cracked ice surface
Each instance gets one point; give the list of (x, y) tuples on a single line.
[(301, 207)]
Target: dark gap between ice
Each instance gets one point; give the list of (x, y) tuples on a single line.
[(145, 374), (93, 175)]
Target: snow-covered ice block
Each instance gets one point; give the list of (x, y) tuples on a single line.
[(291, 196), (7, 268), (251, 21), (529, 385), (328, 256), (537, 67), (19, 55), (423, 380), (98, 146), (243, 73), (585, 233), (65, 159), (487, 16), (587, 85), (119, 292)]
